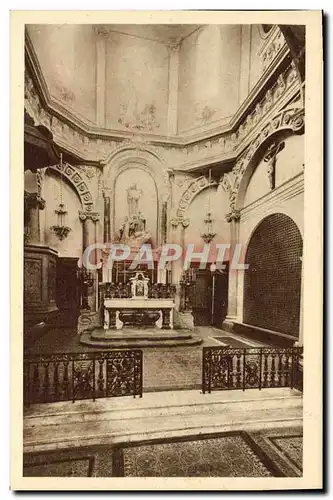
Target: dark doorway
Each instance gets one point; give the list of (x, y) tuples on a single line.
[(68, 291), (203, 312)]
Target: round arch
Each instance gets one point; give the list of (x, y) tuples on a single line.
[(78, 183), (192, 190), (272, 283), (285, 124), (137, 156)]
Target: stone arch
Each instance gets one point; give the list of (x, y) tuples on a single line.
[(272, 283), (146, 159), (78, 183), (284, 124), (194, 188)]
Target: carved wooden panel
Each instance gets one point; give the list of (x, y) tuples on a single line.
[(32, 280)]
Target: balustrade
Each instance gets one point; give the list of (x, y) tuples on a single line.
[(76, 376), (225, 368)]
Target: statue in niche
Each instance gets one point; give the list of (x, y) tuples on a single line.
[(133, 229), (133, 196)]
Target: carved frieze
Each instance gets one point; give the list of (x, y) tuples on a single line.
[(203, 151), (274, 45)]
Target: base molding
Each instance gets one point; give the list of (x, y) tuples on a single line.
[(258, 333)]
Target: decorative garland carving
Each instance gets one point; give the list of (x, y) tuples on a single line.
[(193, 189), (78, 183)]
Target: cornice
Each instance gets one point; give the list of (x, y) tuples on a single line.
[(92, 145)]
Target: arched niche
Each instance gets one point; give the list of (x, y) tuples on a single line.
[(137, 158), (71, 246), (272, 283)]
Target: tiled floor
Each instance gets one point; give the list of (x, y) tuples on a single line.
[(228, 454), (164, 368)]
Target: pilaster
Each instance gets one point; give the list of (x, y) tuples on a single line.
[(173, 49), (233, 218), (101, 41)]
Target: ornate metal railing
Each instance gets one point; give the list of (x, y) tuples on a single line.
[(225, 368), (75, 376)]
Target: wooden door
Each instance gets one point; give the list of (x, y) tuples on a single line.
[(202, 298), (67, 285), (220, 298)]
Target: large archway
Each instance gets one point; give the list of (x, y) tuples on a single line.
[(272, 286)]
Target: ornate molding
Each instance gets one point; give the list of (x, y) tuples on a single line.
[(222, 143), (175, 221), (275, 42), (84, 215), (81, 187), (287, 119), (192, 190), (234, 215)]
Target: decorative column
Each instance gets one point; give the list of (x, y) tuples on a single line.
[(233, 219), (173, 87), (178, 225), (107, 225), (183, 317), (89, 236)]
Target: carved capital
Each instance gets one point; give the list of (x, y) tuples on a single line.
[(179, 220), (94, 216), (234, 215)]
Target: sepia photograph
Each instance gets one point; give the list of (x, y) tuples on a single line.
[(164, 308)]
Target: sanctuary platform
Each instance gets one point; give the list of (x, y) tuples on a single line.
[(137, 314), (134, 337)]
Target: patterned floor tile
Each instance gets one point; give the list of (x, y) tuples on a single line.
[(228, 455)]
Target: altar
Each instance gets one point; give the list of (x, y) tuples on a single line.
[(144, 305), (142, 312)]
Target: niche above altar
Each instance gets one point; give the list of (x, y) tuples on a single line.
[(136, 214)]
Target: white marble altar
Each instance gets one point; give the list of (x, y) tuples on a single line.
[(113, 308)]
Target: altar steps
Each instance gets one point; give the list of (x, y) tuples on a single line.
[(135, 338), (157, 415)]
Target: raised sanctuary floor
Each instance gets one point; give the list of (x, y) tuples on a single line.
[(164, 368)]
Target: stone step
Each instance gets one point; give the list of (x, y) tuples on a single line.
[(94, 416), (62, 425), (159, 341), (144, 334)]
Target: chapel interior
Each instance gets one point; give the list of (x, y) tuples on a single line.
[(155, 134)]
